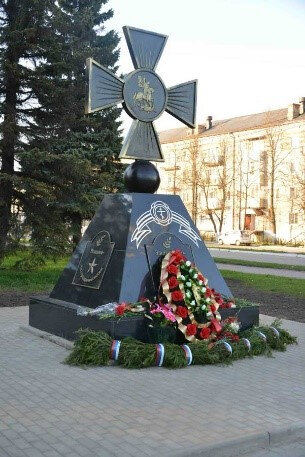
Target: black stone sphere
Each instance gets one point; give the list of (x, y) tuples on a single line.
[(141, 176)]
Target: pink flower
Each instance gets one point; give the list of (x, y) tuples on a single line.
[(166, 310)]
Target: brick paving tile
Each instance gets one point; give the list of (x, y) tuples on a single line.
[(48, 409)]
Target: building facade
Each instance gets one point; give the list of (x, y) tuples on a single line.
[(245, 173)]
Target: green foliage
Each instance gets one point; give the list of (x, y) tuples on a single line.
[(40, 279), (72, 158), (30, 263), (23, 30), (93, 348), (135, 354), (243, 302), (202, 355), (67, 160), (174, 356)]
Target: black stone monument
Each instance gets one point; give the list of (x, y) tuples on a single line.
[(118, 258)]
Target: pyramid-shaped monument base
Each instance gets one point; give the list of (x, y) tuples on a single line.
[(118, 260)]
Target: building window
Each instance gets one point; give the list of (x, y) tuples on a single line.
[(293, 218), (292, 193), (263, 203)]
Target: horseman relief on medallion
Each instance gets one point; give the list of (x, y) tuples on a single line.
[(144, 99)]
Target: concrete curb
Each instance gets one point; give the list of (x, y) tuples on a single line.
[(262, 270), (48, 336), (247, 444)]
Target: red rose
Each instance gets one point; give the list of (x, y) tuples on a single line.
[(217, 297), (191, 329), (172, 269), (177, 257), (208, 292), (182, 311), (200, 277), (120, 309), (177, 295), (205, 333), (213, 308), (172, 282)]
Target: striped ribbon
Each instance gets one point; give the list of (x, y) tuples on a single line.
[(246, 343), (115, 348), (188, 354), (228, 347), (262, 336), (275, 331), (159, 354)]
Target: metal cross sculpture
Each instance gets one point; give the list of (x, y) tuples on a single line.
[(142, 93)]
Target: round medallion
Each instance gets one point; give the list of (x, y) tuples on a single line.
[(145, 95), (161, 213)]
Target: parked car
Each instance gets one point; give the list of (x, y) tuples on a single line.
[(236, 237)]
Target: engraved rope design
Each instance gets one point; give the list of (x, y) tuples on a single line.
[(161, 214)]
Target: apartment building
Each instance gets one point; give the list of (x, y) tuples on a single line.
[(247, 172)]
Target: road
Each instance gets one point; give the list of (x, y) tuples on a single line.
[(271, 257)]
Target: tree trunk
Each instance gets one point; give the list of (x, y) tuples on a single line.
[(76, 229), (8, 146), (9, 127), (272, 210)]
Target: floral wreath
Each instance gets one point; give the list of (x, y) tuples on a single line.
[(184, 302), (190, 302)]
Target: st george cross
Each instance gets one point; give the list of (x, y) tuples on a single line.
[(142, 93)]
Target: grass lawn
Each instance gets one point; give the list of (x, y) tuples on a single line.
[(279, 284), (45, 277), (249, 263), (42, 279)]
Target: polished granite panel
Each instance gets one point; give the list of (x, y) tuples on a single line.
[(113, 217), (151, 216), (114, 260)]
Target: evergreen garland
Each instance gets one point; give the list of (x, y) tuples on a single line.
[(94, 348)]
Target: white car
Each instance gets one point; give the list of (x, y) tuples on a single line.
[(236, 237)]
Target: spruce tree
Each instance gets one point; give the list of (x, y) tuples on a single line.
[(23, 30), (73, 156), (68, 160)]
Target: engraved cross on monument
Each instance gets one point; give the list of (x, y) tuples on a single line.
[(118, 258)]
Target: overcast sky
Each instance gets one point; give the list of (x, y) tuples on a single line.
[(248, 55)]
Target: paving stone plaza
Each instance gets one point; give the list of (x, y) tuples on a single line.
[(49, 409)]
